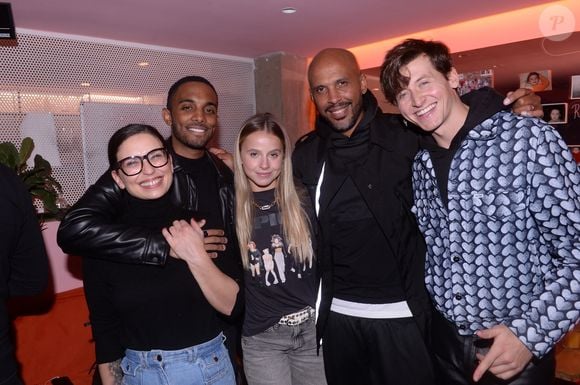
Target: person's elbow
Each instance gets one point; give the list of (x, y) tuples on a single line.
[(29, 286), (235, 308)]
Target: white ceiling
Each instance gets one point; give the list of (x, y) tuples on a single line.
[(250, 28)]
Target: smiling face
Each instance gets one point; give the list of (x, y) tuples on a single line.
[(533, 79), (336, 87), (430, 100), (262, 156), (151, 182), (192, 117)]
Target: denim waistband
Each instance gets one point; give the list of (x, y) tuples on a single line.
[(192, 353)]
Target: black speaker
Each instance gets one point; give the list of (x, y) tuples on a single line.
[(7, 30)]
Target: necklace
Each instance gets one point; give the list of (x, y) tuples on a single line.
[(267, 206)]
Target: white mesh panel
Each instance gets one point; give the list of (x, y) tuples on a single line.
[(45, 72), (100, 120)]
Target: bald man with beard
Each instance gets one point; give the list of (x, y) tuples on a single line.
[(356, 165)]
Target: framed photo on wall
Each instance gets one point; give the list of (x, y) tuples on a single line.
[(575, 149), (470, 81), (575, 87), (555, 113), (538, 80)]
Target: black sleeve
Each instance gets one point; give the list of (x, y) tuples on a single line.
[(105, 322), (488, 94), (23, 259), (89, 229), (231, 265)]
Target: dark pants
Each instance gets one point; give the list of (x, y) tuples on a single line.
[(455, 359), (362, 351), (8, 366)]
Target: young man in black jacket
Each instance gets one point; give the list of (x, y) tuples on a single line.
[(202, 184), (357, 167)]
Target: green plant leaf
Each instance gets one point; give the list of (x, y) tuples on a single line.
[(26, 148), (38, 179), (9, 155), (42, 164), (48, 199)]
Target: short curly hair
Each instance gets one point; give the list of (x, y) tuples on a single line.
[(183, 80)]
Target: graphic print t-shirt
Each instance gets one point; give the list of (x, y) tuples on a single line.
[(276, 284)]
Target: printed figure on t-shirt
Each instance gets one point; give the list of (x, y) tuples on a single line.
[(269, 267), (279, 256), (254, 255)]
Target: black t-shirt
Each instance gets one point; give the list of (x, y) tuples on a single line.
[(364, 269), (205, 177), (144, 307), (275, 283)]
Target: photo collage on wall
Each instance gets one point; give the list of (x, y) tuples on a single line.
[(470, 81), (560, 111), (575, 94), (537, 81), (555, 113), (575, 87)]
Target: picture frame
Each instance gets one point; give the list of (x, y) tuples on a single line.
[(575, 150), (469, 81), (555, 113), (575, 87), (536, 80)]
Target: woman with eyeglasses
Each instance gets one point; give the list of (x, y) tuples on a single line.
[(157, 324)]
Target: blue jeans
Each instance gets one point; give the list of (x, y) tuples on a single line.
[(206, 363), (283, 355)]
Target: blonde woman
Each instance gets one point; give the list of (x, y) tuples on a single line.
[(278, 334)]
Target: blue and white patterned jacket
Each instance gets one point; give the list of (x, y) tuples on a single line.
[(506, 250)]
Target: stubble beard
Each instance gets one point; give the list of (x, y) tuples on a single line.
[(192, 143), (354, 120)]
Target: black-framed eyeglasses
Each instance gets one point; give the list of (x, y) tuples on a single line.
[(133, 165)]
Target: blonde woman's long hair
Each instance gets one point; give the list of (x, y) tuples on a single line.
[(295, 223)]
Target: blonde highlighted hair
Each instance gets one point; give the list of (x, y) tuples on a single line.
[(295, 223)]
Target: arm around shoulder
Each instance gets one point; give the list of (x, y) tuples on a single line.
[(89, 229)]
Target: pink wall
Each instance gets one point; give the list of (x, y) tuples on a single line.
[(543, 20), (65, 269)]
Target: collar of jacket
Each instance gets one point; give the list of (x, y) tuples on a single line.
[(223, 171), (379, 134), (483, 105)]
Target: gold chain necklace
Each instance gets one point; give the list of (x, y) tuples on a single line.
[(267, 206)]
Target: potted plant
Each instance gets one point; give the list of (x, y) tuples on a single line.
[(39, 180)]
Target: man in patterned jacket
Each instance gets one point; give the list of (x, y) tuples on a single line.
[(497, 198)]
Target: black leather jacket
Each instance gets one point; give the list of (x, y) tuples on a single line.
[(89, 227), (385, 184)]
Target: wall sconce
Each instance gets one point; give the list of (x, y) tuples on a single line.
[(41, 128)]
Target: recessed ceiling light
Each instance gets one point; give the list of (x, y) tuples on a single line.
[(143, 63), (288, 10), (85, 84)]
